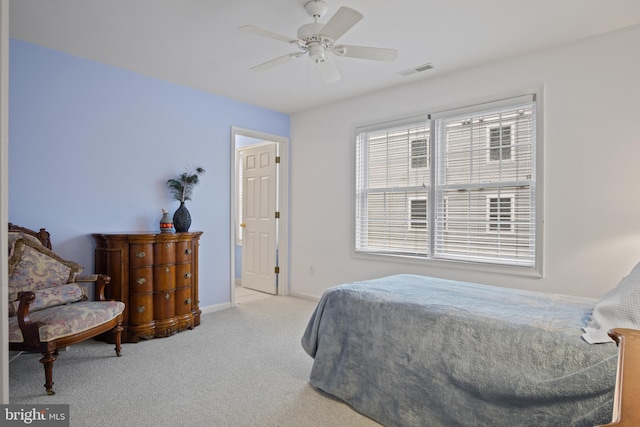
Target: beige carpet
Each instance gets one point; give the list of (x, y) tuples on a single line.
[(241, 367)]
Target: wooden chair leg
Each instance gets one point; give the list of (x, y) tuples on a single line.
[(47, 361), (118, 332)]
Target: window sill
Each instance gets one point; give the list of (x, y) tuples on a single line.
[(522, 271)]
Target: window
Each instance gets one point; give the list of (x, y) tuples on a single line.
[(419, 153), (499, 210), (458, 185), (500, 143), (392, 195), (419, 213)]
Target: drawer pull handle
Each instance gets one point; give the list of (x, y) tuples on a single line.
[(188, 251), (166, 296), (166, 269), (187, 275), (167, 246), (140, 254), (141, 280), (188, 301), (141, 309)]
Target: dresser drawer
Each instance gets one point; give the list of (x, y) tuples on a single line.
[(164, 277), (141, 280), (164, 253), (164, 304), (183, 300), (140, 308), (140, 255), (183, 275), (184, 252)]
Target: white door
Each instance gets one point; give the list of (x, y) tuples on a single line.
[(259, 207)]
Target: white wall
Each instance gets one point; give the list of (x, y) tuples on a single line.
[(591, 108)]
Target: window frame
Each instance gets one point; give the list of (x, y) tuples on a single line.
[(533, 270)]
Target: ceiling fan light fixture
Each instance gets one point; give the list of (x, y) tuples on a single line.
[(316, 52)]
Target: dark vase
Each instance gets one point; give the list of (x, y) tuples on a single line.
[(181, 219)]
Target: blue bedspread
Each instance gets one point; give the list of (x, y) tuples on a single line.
[(417, 351)]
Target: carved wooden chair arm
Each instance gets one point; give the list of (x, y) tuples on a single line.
[(102, 280), (29, 329), (86, 278), (626, 411)]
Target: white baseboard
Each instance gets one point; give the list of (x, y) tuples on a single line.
[(214, 308)]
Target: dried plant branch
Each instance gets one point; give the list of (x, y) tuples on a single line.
[(181, 188)]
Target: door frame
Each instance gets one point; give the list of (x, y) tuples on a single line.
[(4, 199), (283, 204)]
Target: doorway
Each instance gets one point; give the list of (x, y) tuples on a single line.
[(259, 224)]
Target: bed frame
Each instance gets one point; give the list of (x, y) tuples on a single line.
[(626, 410)]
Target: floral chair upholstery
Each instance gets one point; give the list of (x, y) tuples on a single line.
[(48, 308)]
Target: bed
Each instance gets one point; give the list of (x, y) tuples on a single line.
[(409, 350)]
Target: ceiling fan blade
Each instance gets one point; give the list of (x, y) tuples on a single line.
[(341, 22), (327, 70), (259, 31), (364, 52), (277, 61)]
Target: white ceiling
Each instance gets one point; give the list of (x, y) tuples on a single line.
[(197, 43)]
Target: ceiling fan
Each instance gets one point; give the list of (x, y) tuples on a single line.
[(318, 40)]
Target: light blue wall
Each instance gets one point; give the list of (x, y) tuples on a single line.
[(91, 147)]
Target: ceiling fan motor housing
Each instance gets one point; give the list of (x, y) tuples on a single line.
[(316, 8), (310, 32)]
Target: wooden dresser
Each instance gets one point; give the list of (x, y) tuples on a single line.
[(156, 276)]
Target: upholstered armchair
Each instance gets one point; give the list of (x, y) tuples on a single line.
[(48, 308)]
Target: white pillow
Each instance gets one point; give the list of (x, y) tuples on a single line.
[(618, 308)]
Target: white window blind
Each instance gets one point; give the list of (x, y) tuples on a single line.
[(393, 178), (460, 186)]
